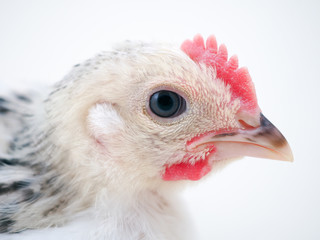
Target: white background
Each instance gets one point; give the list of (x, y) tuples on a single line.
[(277, 40)]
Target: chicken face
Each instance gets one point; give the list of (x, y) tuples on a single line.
[(174, 115)]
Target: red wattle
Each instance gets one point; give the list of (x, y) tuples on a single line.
[(187, 171)]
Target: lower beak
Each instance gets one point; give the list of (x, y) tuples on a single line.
[(264, 141)]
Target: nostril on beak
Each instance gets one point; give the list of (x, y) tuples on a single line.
[(245, 125), (248, 120)]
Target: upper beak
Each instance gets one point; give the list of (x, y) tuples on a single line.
[(264, 141)]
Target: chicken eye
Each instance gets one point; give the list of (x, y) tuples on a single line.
[(167, 104)]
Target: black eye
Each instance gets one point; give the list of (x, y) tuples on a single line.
[(167, 104)]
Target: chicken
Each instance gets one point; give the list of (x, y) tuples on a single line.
[(105, 153)]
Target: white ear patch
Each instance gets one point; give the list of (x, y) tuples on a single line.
[(103, 121)]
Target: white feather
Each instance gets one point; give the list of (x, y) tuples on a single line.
[(101, 153)]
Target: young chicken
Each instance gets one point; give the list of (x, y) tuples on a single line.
[(104, 154)]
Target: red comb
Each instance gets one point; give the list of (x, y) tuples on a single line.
[(238, 78)]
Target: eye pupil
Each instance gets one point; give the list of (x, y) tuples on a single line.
[(167, 104)]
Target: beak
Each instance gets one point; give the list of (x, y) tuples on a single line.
[(264, 141)]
